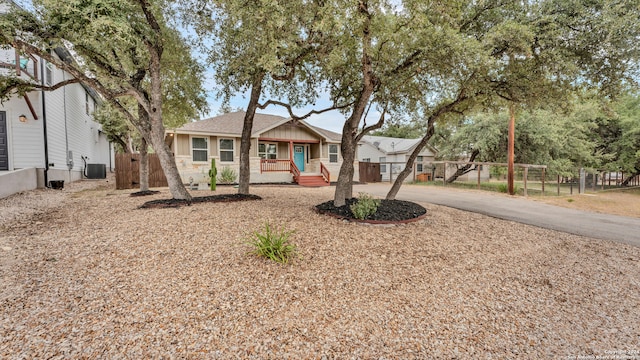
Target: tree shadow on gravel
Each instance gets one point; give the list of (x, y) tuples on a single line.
[(389, 211), (144, 193), (174, 203)]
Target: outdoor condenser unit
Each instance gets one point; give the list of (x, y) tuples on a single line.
[(96, 171)]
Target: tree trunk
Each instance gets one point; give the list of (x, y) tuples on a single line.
[(144, 147), (465, 169), (167, 160), (245, 143), (391, 195), (511, 147), (144, 165), (344, 185)]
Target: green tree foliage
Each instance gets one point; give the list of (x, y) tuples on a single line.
[(120, 45), (621, 136), (264, 48), (563, 141)]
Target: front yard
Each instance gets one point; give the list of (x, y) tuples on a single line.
[(87, 274)]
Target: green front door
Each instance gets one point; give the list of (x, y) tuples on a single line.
[(298, 156)]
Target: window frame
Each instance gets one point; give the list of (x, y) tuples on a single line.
[(330, 153), (221, 150), (265, 154), (194, 149), (48, 73), (383, 167)]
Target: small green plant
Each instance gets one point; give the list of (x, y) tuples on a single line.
[(273, 244), (570, 200), (212, 175), (227, 175), (365, 206)]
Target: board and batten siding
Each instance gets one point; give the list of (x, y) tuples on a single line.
[(289, 132)]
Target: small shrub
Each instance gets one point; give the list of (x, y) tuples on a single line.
[(273, 244), (503, 188), (365, 206), (227, 176), (570, 200)]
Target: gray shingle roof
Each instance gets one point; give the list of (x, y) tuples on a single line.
[(232, 123), (328, 134), (391, 145)]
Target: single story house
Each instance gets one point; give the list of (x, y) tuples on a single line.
[(282, 150), (393, 153)]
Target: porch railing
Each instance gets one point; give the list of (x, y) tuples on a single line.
[(294, 170), (325, 173), (275, 165), (13, 60)]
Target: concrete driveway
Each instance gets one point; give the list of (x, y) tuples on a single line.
[(601, 226)]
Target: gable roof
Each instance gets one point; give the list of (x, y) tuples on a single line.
[(390, 145), (328, 134), (232, 124)]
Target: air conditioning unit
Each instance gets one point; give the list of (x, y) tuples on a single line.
[(96, 171)]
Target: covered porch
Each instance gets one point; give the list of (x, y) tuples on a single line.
[(301, 158)]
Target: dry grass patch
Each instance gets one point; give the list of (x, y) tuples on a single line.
[(616, 202)]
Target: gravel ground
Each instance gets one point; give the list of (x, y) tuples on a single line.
[(85, 274)]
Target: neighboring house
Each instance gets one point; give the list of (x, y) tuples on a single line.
[(46, 136), (393, 153), (282, 150)]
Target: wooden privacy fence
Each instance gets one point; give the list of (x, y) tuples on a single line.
[(369, 172), (128, 171)]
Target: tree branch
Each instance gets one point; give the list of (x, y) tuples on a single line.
[(378, 125), (296, 117)]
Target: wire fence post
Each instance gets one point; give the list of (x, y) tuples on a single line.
[(543, 175), (524, 175)]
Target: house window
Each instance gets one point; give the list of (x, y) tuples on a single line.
[(419, 167), (267, 151), (86, 102), (226, 150), (419, 159), (199, 149), (366, 160), (333, 153), (48, 74), (383, 167)]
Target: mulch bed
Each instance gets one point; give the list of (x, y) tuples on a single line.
[(144, 193), (174, 203), (389, 211)]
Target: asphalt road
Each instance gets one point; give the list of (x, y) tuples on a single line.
[(600, 226)]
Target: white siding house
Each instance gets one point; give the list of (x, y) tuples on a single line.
[(49, 131), (393, 153)]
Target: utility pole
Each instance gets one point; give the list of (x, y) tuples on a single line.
[(511, 147)]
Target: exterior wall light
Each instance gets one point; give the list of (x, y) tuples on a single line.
[(22, 118)]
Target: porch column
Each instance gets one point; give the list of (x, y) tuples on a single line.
[(291, 150)]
